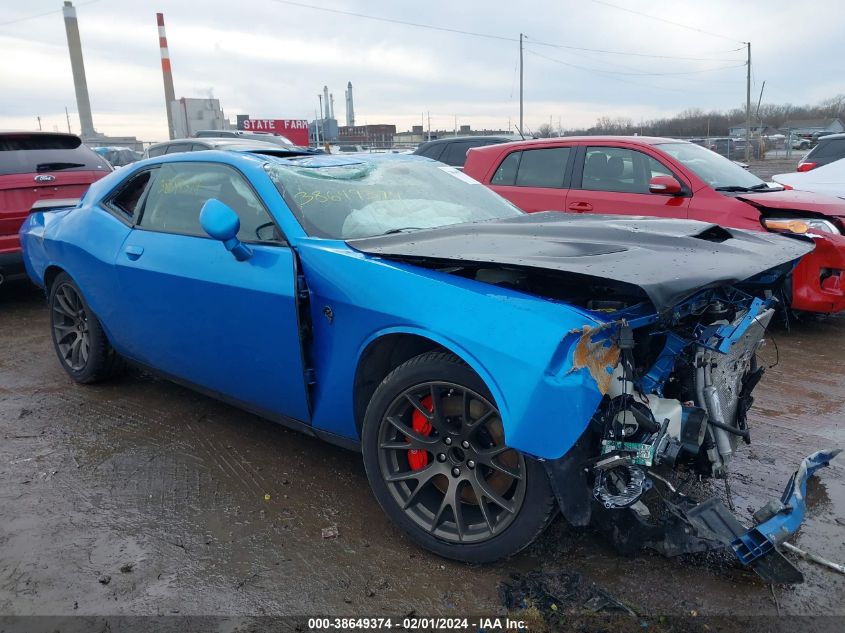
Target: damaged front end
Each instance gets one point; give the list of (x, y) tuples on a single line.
[(656, 379), (677, 391)]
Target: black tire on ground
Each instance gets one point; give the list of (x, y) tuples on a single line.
[(470, 498), (79, 340)]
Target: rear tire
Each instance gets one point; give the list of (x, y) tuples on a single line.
[(434, 452), (81, 344)]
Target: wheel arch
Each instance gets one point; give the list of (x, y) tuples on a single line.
[(50, 273), (385, 351)]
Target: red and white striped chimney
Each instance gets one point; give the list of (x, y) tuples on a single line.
[(169, 93)]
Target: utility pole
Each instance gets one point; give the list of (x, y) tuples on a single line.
[(39, 123), (520, 85), (748, 106), (428, 114)]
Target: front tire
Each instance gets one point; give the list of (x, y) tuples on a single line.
[(78, 338), (434, 452)]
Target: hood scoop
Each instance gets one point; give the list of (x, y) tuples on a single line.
[(715, 234)]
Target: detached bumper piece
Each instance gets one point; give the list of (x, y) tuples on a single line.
[(777, 521)]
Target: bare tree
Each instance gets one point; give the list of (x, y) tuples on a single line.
[(695, 122)]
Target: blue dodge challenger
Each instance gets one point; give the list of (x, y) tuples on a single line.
[(492, 367)]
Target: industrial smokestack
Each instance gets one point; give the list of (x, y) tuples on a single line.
[(325, 112), (77, 66), (331, 110), (169, 93), (350, 107)]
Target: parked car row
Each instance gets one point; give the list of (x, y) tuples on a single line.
[(829, 179), (830, 148), (491, 365)]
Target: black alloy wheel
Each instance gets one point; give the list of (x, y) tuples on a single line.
[(443, 456), (70, 327), (435, 453), (78, 338)]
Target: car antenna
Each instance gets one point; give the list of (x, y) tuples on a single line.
[(520, 132)]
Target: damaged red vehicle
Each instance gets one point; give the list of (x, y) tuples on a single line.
[(624, 175)]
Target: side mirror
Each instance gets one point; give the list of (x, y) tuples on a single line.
[(220, 222), (665, 185)]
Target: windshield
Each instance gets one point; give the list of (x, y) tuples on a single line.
[(348, 201), (717, 171)]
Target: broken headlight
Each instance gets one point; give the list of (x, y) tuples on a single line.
[(800, 225)]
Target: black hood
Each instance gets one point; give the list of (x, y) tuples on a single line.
[(668, 259)]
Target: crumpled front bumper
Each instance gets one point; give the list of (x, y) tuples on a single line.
[(691, 526), (818, 281), (775, 522)]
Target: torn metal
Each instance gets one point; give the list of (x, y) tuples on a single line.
[(599, 358)]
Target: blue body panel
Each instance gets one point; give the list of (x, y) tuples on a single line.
[(510, 339), (768, 535), (185, 306), (227, 326)]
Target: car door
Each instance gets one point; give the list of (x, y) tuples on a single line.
[(614, 180), (189, 309), (534, 179)]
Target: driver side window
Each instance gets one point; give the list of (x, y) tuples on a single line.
[(180, 190)]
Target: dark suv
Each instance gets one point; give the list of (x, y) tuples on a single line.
[(453, 149), (39, 169), (830, 148)]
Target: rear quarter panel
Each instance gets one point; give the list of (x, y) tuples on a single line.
[(83, 242)]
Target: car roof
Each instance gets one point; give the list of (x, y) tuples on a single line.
[(540, 142), (335, 160), (35, 133), (472, 137), (831, 137), (222, 141)]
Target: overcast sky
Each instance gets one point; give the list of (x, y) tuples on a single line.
[(270, 59)]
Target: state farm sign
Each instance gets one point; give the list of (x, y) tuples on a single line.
[(295, 129)]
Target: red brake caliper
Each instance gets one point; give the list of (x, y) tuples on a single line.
[(417, 457)]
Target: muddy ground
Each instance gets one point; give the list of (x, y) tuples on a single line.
[(141, 497)]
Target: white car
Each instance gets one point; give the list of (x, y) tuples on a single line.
[(828, 179)]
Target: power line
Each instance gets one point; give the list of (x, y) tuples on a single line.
[(616, 64), (637, 74), (639, 84), (629, 54), (41, 15), (446, 29), (654, 17)]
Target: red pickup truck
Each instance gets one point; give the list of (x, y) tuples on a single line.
[(39, 168), (631, 175)]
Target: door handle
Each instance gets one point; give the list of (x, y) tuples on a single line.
[(134, 252), (580, 207)]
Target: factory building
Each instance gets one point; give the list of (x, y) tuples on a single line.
[(371, 136), (192, 115)]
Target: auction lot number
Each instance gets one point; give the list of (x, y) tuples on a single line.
[(414, 624)]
